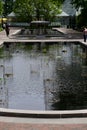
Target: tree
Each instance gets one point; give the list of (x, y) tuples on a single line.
[(8, 7), (1, 7), (82, 5), (28, 10)]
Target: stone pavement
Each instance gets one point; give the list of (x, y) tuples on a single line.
[(9, 123), (18, 126), (71, 35), (15, 123)]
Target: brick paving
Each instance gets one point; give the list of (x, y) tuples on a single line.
[(24, 126)]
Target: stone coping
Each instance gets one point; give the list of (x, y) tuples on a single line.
[(43, 114), (42, 40)]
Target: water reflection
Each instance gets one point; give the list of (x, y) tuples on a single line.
[(43, 76), (72, 80)]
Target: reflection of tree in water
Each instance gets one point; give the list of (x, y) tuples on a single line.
[(71, 91), (61, 67), (71, 85)]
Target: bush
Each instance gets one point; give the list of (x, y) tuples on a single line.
[(82, 19)]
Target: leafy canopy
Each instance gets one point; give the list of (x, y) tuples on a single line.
[(1, 7), (7, 7), (28, 10), (82, 5)]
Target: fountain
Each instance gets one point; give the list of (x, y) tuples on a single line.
[(40, 26), (39, 29)]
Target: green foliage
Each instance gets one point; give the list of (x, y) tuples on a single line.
[(27, 10), (1, 29), (81, 19), (80, 3), (23, 10), (1, 7), (8, 7)]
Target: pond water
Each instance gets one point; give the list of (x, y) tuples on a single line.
[(43, 76)]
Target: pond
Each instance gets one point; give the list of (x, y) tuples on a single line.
[(43, 76)]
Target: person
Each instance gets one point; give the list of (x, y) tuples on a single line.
[(85, 34), (7, 29)]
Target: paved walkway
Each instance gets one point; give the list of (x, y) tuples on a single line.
[(71, 35), (14, 123), (7, 123)]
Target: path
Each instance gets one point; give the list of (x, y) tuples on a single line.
[(71, 35), (7, 123)]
